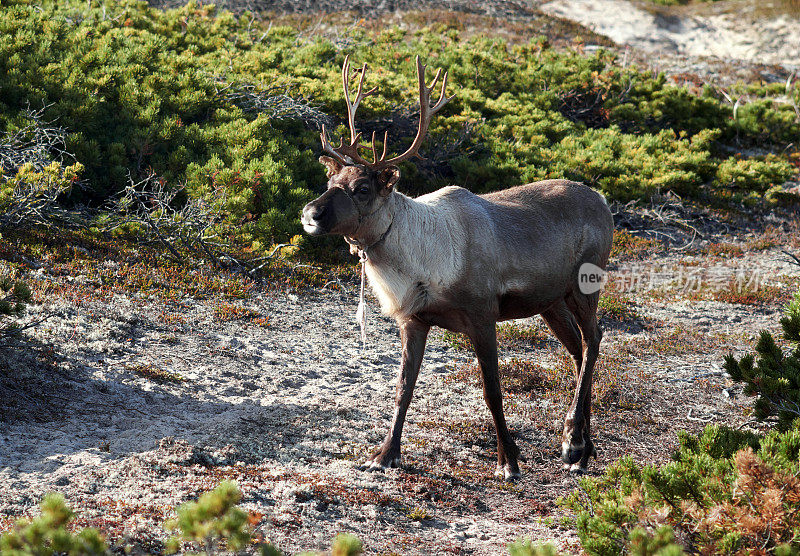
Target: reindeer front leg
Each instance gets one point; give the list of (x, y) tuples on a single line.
[(484, 340), (413, 335)]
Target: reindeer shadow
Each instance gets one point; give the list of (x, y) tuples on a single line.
[(53, 406)]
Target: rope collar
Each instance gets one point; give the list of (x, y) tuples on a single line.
[(363, 256), (362, 248), (361, 311)]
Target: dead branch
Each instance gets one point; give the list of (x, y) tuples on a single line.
[(795, 259), (15, 330), (39, 144), (276, 102), (183, 228), (150, 204)]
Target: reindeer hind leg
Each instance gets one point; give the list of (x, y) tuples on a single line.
[(562, 323), (577, 446)]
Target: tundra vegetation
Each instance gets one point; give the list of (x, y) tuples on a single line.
[(227, 109), (168, 153), (727, 491), (211, 525)]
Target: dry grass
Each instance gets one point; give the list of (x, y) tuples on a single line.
[(617, 307), (525, 379), (510, 335), (739, 292), (559, 32), (227, 312), (82, 267), (723, 250), (743, 295), (172, 319), (769, 238), (777, 8), (627, 247)]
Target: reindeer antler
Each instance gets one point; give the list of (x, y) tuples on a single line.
[(426, 111), (343, 152)]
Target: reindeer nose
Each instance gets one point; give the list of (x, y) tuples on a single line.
[(318, 212), (312, 219), (313, 213)]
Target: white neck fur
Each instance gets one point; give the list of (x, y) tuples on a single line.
[(420, 256)]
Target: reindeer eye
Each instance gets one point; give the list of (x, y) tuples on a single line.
[(363, 190)]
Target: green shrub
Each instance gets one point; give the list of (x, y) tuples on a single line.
[(775, 376), (526, 547), (48, 534), (31, 196), (15, 294), (726, 491), (213, 521), (199, 98), (752, 176), (346, 545)]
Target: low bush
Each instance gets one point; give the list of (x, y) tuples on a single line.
[(14, 294), (774, 377), (726, 491), (49, 534), (30, 197), (228, 109), (214, 523), (31, 179)]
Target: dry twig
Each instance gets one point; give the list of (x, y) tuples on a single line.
[(276, 102), (38, 144)]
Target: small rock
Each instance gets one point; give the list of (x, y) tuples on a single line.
[(728, 393)]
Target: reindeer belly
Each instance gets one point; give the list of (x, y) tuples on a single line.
[(514, 305), (524, 298)]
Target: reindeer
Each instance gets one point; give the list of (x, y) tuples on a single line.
[(463, 262)]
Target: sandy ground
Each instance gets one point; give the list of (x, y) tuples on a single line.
[(741, 35)]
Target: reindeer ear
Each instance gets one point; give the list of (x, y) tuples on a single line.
[(387, 178), (333, 166)]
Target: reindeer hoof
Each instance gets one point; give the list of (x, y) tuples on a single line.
[(571, 454), (508, 473), (576, 458), (380, 464), (576, 468)]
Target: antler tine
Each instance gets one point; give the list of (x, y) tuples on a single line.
[(343, 152), (435, 79), (350, 153), (375, 158), (442, 98), (328, 148), (360, 94), (385, 144), (426, 111)]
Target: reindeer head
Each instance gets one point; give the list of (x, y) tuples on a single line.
[(357, 188)]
